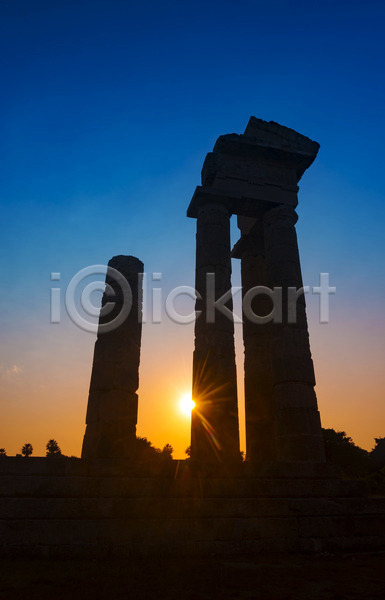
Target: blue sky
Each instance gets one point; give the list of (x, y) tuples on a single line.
[(107, 111)]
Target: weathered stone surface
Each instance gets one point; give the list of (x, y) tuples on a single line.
[(298, 426), (113, 402)]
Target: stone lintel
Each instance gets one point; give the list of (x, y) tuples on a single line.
[(291, 164), (243, 199), (274, 134), (270, 141)]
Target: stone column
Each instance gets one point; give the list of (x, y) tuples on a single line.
[(214, 426), (257, 338), (113, 402), (298, 424)]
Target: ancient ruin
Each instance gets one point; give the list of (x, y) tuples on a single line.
[(284, 497), (113, 402), (254, 176)]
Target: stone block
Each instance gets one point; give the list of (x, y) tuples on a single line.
[(237, 529), (353, 543), (341, 526), (40, 486), (369, 525), (118, 404), (295, 395), (293, 368), (292, 422), (314, 507), (300, 447), (30, 532), (375, 506), (279, 527), (280, 544)]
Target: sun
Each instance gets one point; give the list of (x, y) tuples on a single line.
[(186, 404)]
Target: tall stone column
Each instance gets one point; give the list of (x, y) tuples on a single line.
[(257, 339), (214, 427), (298, 426), (113, 402)]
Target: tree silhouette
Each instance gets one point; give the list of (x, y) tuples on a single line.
[(3, 452), (145, 450), (341, 450), (53, 448), (188, 451), (167, 451), (377, 455), (27, 450)]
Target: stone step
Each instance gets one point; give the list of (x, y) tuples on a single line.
[(64, 466), (198, 549), (161, 487), (103, 508), (141, 536)]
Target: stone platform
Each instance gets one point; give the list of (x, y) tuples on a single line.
[(71, 507)]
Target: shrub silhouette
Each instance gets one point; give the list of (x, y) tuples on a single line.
[(376, 482), (27, 450), (145, 451), (3, 452)]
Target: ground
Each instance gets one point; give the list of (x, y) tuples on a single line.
[(266, 577)]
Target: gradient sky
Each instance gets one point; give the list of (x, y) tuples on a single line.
[(107, 110)]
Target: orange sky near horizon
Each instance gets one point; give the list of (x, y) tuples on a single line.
[(108, 109), (44, 392)]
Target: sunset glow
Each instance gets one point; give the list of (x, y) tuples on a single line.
[(186, 404), (104, 160)]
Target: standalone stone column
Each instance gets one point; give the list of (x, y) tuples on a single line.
[(113, 402), (257, 338), (214, 427), (298, 424)]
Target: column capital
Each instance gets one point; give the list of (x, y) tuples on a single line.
[(281, 215), (206, 195), (214, 206)]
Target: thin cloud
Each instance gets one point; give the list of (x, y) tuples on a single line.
[(8, 372)]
